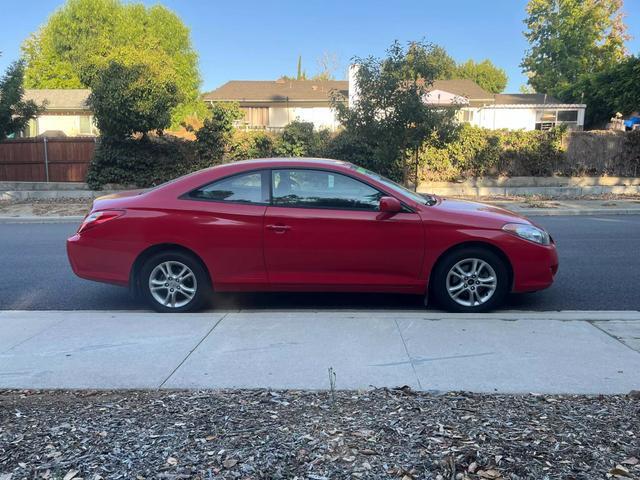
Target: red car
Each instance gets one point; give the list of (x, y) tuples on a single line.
[(307, 225)]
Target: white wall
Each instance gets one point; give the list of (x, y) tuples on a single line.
[(510, 118), (68, 124), (322, 117)]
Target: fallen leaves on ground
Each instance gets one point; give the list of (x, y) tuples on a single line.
[(375, 434)]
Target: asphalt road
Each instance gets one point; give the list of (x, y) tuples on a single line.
[(599, 270)]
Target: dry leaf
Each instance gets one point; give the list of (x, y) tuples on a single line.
[(172, 461), (619, 471), (70, 474), (630, 461), (473, 466), (230, 463), (491, 473)]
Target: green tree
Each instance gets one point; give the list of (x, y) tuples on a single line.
[(390, 114), (610, 91), (571, 38), (128, 99), (84, 36), (485, 74), (15, 112), (213, 139), (435, 56), (301, 75)]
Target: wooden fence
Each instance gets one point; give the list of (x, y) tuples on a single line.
[(46, 159)]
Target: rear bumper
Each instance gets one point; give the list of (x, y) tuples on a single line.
[(99, 260)]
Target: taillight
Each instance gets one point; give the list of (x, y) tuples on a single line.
[(97, 218)]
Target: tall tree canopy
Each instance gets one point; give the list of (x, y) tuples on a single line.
[(15, 112), (129, 99), (485, 74), (490, 77), (390, 115), (570, 38), (85, 36), (611, 91)]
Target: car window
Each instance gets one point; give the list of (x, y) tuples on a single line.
[(243, 188), (322, 189)]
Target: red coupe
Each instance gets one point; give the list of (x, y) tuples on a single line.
[(307, 225)]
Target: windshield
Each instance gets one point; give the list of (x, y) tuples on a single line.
[(396, 187)]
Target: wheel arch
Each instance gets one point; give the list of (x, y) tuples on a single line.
[(474, 244), (134, 280)]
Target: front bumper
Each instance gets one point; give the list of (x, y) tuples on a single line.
[(535, 269)]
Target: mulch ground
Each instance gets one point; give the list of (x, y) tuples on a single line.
[(317, 435)]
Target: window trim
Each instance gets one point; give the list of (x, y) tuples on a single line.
[(384, 192), (268, 173), (264, 172)]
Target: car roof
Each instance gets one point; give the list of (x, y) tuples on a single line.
[(266, 162)]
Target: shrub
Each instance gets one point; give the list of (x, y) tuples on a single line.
[(480, 152), (251, 144), (128, 99), (142, 163), (213, 139)]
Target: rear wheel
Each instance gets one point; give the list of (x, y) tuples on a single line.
[(471, 280), (174, 281)]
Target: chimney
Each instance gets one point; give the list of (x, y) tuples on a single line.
[(353, 87)]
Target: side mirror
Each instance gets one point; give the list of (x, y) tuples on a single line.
[(390, 205)]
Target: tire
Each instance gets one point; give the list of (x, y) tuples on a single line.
[(458, 288), (165, 291)]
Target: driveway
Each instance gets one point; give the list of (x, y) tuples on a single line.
[(511, 352)]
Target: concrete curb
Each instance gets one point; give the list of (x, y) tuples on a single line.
[(529, 212), (34, 219), (549, 212), (423, 314)]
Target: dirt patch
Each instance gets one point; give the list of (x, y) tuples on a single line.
[(316, 435), (45, 208)]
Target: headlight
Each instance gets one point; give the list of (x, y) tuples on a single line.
[(528, 232)]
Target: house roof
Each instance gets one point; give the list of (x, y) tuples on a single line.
[(60, 99), (276, 91), (525, 99), (464, 88)]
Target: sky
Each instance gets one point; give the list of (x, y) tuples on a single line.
[(261, 40)]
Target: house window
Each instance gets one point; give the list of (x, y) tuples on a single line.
[(547, 119), (256, 116), (567, 115), (85, 125)]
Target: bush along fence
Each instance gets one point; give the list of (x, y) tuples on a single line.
[(474, 153), (46, 159)]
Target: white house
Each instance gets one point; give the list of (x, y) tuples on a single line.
[(65, 114), (273, 104)]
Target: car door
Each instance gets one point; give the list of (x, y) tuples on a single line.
[(227, 222), (323, 231)]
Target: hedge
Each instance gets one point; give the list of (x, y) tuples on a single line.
[(475, 152), (142, 162), (478, 152)]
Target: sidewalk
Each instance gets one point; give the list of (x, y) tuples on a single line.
[(507, 352), (69, 211)]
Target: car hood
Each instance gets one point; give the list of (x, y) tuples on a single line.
[(475, 213)]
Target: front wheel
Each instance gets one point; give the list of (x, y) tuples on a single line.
[(174, 282), (471, 280)]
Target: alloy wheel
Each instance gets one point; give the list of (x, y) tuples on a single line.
[(172, 284), (471, 282)]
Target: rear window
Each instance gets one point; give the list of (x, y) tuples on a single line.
[(241, 188)]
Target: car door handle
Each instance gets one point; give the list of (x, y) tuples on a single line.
[(279, 228)]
